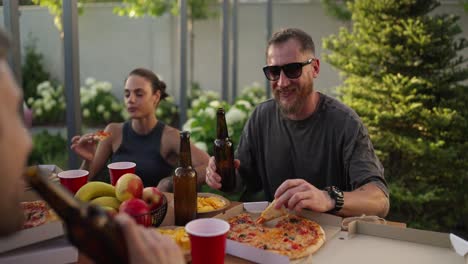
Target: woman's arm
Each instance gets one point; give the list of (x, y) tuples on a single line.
[(103, 151), (170, 148)]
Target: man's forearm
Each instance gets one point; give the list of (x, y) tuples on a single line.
[(367, 199)]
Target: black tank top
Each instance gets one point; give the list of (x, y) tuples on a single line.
[(145, 151)]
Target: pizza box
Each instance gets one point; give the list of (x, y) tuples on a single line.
[(36, 234), (363, 243), (331, 224), (52, 170), (377, 243), (57, 250)]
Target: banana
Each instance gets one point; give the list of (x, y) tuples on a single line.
[(107, 201), (94, 189)]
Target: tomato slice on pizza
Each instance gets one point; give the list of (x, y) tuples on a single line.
[(101, 135)]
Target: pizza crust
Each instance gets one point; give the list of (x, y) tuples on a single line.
[(271, 213)]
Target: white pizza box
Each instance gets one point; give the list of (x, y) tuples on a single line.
[(55, 251), (331, 224), (47, 169), (364, 243), (367, 243), (32, 235), (36, 234)]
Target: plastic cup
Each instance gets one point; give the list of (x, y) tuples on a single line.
[(118, 169), (208, 240), (73, 179)]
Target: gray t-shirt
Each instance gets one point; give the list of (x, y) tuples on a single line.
[(331, 147)]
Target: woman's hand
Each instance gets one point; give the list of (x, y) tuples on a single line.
[(84, 146)]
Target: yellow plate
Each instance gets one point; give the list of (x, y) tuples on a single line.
[(212, 204)]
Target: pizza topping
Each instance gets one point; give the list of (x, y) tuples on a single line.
[(293, 220), (35, 213), (101, 135)]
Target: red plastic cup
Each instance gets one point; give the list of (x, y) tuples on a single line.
[(208, 240), (118, 169), (73, 179)]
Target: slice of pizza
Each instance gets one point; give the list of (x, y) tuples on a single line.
[(101, 135), (271, 213), (35, 213)]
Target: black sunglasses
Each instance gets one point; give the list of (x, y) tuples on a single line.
[(291, 70)]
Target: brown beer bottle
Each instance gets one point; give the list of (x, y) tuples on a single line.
[(224, 154), (185, 184), (89, 228)]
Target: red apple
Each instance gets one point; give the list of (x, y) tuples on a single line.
[(153, 197), (137, 209), (128, 186)]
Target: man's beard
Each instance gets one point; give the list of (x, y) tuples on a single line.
[(296, 106)]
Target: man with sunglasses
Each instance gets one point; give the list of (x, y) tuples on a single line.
[(303, 148)]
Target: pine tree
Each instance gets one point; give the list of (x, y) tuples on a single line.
[(403, 74)]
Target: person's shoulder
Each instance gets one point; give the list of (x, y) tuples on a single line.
[(338, 110), (265, 108), (170, 132), (114, 127)]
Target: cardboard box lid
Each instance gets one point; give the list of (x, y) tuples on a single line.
[(376, 243), (32, 235), (53, 251), (52, 170)]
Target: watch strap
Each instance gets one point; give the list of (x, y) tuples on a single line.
[(337, 195)]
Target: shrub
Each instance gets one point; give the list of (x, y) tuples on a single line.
[(202, 118), (98, 105), (49, 149), (33, 72), (168, 112), (49, 105)]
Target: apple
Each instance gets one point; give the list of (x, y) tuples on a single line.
[(153, 197), (128, 186), (137, 209)]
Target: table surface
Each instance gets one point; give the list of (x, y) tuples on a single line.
[(169, 220)]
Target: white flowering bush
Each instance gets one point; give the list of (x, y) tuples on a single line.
[(202, 118), (49, 105), (98, 105), (168, 112), (255, 94)]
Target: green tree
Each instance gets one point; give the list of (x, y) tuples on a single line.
[(55, 8), (405, 77), (337, 9)]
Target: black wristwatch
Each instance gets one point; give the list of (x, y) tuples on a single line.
[(337, 195)]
